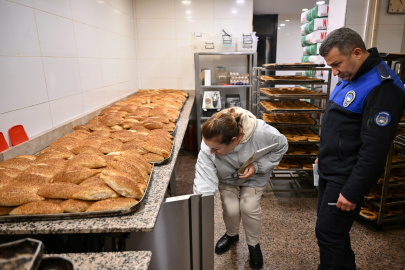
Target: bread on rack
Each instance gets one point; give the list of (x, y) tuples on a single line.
[(91, 161), (75, 206), (123, 186), (74, 174), (17, 163), (112, 204), (12, 196), (62, 190), (95, 193), (37, 208)]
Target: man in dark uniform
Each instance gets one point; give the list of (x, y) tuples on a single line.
[(359, 123)]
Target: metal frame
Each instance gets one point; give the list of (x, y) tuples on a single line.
[(383, 200), (251, 62), (258, 83)]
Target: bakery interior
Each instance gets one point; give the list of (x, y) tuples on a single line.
[(101, 107)]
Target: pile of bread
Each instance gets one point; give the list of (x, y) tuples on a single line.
[(299, 134), (290, 118), (294, 163), (302, 149), (103, 165), (288, 78), (288, 91), (287, 105)]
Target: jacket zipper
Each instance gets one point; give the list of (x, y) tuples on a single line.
[(340, 147), (370, 119)]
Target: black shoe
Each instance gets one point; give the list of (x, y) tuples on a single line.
[(225, 243), (256, 257)]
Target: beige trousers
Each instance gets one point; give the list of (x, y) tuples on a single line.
[(242, 203)]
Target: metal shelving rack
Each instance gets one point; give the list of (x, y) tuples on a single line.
[(384, 201), (251, 62), (291, 174)]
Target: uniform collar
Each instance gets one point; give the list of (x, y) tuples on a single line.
[(372, 60)]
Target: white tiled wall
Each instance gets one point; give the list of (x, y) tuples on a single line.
[(289, 49), (164, 31), (62, 58)]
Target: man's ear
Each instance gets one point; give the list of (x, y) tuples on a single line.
[(358, 53)]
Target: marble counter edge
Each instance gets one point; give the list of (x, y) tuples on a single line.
[(138, 260)]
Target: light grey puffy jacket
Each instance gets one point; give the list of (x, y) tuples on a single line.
[(212, 169)]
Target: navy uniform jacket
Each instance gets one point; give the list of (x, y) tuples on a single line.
[(358, 126)]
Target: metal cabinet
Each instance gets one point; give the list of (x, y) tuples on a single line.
[(251, 62)]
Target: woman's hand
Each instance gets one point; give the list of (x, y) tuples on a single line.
[(249, 172)]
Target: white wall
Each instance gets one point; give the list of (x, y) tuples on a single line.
[(61, 59), (289, 49), (356, 16), (390, 30), (164, 35)]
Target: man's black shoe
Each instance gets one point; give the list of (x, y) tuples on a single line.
[(256, 257), (225, 243)]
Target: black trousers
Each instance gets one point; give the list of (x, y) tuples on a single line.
[(332, 229)]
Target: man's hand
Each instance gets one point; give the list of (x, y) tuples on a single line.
[(344, 204), (249, 172), (316, 161)]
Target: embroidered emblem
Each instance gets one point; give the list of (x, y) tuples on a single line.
[(349, 98), (382, 119)]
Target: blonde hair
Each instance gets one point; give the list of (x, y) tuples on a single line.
[(222, 126)]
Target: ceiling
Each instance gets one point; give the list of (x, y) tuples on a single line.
[(282, 6)]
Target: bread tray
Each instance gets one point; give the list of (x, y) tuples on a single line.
[(314, 110), (166, 160), (108, 213), (57, 262), (314, 95), (281, 124), (21, 254)]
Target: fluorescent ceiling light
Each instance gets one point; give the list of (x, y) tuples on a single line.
[(186, 2), (287, 20), (278, 28), (234, 11), (240, 1), (283, 24), (188, 12), (304, 9), (320, 2)]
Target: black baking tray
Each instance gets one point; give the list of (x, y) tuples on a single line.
[(57, 263), (108, 213), (22, 254)]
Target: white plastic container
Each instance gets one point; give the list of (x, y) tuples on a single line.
[(227, 44), (226, 41), (202, 42), (247, 43)]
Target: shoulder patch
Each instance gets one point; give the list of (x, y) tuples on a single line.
[(382, 119), (384, 73)]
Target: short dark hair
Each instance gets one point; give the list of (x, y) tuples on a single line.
[(345, 39)]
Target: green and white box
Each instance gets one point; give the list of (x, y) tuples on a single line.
[(316, 24)]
